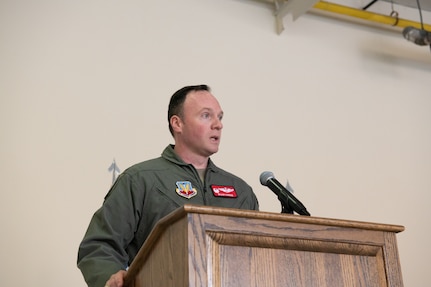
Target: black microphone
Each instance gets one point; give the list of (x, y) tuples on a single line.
[(287, 199)]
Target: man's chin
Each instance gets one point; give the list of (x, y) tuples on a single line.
[(212, 150)]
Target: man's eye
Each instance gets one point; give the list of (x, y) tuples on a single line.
[(205, 115)]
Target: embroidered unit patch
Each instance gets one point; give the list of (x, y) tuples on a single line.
[(185, 189), (224, 191)]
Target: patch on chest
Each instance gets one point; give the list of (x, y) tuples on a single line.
[(185, 189), (224, 191)]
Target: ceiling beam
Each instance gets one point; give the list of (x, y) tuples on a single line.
[(348, 13)]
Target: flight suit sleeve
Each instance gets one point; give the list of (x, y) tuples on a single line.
[(103, 252)]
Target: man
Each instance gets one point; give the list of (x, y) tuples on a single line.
[(148, 191)]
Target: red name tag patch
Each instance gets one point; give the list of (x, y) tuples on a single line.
[(224, 191)]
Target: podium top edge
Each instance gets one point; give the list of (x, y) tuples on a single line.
[(264, 215)]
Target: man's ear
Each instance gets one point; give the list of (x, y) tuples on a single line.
[(176, 123)]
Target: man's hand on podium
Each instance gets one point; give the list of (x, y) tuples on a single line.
[(117, 279)]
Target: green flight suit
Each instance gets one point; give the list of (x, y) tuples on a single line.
[(139, 198)]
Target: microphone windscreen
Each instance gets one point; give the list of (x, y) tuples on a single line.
[(265, 176)]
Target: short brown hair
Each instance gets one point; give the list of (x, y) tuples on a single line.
[(177, 101)]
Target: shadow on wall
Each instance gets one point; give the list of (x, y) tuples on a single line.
[(397, 55)]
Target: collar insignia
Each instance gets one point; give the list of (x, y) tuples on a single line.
[(185, 189)]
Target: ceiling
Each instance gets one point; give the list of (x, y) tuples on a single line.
[(355, 9)]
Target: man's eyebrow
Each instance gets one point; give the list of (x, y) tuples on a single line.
[(211, 110)]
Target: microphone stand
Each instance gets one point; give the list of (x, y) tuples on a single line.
[(285, 208)]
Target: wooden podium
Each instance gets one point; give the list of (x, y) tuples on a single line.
[(208, 246)]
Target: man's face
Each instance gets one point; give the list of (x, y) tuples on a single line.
[(201, 123)]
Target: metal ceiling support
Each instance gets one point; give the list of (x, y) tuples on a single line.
[(348, 13), (295, 7), (300, 7)]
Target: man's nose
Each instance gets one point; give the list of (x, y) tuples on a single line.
[(217, 124)]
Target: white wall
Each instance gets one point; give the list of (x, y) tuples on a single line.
[(341, 110)]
